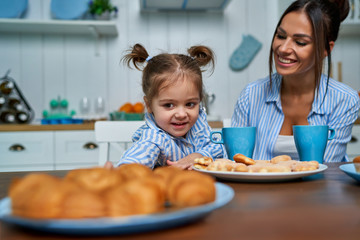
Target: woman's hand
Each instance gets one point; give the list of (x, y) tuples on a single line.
[(185, 163)]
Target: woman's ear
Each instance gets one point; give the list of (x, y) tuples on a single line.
[(331, 44), (147, 104)]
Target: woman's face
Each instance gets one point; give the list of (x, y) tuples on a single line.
[(293, 45), (176, 107)]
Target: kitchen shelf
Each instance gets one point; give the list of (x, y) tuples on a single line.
[(77, 27)]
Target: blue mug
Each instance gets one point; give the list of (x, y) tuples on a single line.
[(236, 140), (311, 141)]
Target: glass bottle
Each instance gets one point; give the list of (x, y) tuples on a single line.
[(2, 101), (15, 104), (7, 116), (22, 117), (6, 87)]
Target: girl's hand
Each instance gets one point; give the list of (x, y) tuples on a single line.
[(185, 163), (108, 165)]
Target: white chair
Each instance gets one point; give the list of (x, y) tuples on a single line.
[(227, 122), (114, 135)]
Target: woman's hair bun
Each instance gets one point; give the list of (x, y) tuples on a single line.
[(344, 8)]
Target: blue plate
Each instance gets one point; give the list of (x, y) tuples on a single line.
[(120, 225), (69, 9), (350, 170), (12, 8)]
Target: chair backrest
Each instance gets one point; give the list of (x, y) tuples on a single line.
[(114, 135), (227, 122)]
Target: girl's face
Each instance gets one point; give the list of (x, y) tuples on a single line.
[(293, 45), (176, 107)]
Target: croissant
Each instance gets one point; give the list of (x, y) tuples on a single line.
[(190, 188)]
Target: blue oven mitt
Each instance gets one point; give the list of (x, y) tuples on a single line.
[(244, 54)]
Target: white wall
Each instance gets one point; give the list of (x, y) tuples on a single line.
[(47, 66)]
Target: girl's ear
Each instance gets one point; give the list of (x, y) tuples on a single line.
[(147, 104)]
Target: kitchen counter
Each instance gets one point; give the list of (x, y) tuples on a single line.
[(64, 127)]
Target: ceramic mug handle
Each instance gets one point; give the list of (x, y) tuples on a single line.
[(215, 141), (332, 133)]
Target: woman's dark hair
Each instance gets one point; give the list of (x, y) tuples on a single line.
[(325, 17), (164, 69)]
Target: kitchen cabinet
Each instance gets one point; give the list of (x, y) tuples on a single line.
[(47, 150), (75, 149), (26, 151)]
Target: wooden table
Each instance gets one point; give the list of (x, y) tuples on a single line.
[(325, 206)]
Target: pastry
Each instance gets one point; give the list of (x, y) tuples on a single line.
[(99, 192), (134, 170), (227, 166), (221, 165), (199, 166), (83, 203), (137, 196), (280, 158), (356, 159), (95, 179), (356, 162), (39, 196), (268, 167), (203, 161), (190, 188), (240, 158), (304, 166)]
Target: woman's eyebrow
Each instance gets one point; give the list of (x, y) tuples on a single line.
[(303, 35)]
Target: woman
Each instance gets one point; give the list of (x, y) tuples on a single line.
[(298, 93)]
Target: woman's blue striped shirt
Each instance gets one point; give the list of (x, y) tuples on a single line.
[(260, 106)]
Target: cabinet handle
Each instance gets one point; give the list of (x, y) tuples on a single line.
[(353, 139), (90, 145), (17, 148)]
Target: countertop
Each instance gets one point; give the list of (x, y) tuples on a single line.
[(64, 127), (74, 127)]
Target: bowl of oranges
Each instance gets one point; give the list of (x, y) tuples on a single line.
[(129, 112)]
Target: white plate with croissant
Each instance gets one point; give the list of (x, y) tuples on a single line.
[(281, 168)]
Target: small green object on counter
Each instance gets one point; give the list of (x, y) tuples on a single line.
[(123, 116)]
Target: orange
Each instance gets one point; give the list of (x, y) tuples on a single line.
[(126, 107), (139, 107)]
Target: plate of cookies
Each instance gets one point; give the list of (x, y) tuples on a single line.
[(242, 168), (124, 200)]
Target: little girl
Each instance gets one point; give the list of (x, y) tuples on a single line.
[(176, 130)]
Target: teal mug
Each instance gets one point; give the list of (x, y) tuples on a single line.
[(311, 141), (236, 140)]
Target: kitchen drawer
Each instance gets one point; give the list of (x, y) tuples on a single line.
[(37, 152), (75, 149), (353, 148)]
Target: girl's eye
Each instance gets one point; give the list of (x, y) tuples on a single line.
[(191, 104), (168, 105)]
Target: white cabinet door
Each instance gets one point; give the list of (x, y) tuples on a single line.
[(75, 149), (353, 148), (26, 151)]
